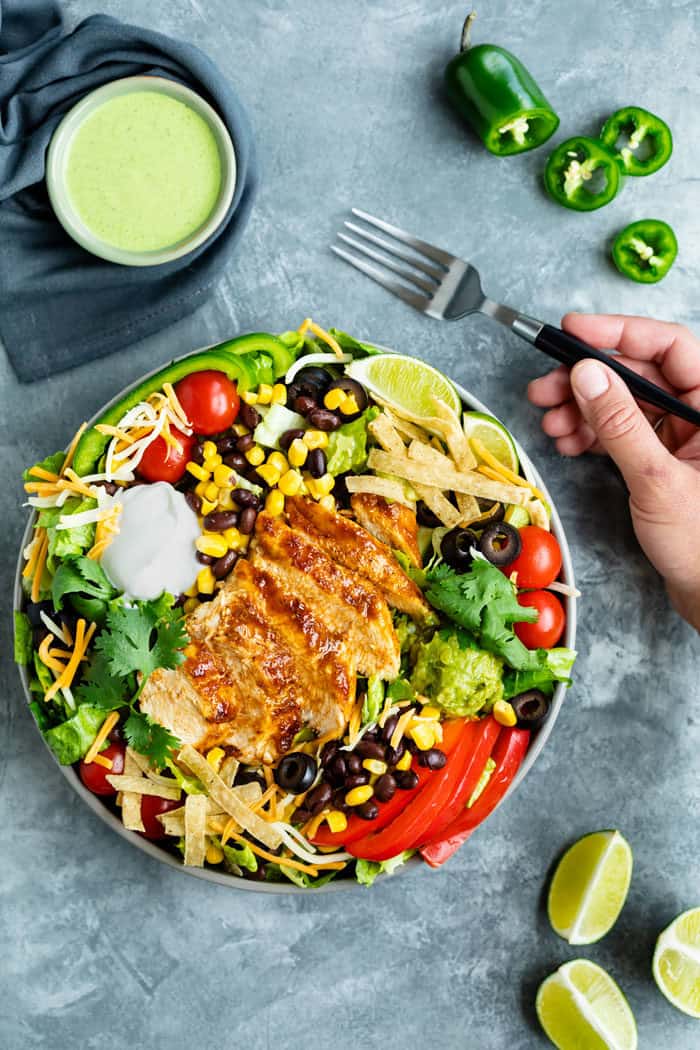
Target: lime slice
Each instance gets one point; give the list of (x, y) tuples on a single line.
[(580, 1007), (676, 966), (404, 382), (589, 887), (494, 436)]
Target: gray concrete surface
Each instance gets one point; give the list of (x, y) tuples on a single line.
[(102, 946)]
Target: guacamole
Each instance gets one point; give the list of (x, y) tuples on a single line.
[(462, 681)]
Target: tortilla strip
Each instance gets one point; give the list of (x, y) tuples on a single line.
[(538, 513), (174, 822), (141, 763), (439, 504), (409, 430), (384, 433), (229, 768), (195, 830), (468, 507), (455, 437), (386, 487), (470, 482), (131, 802), (143, 786), (228, 798)]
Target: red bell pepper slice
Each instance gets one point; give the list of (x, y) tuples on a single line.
[(508, 753), (358, 828), (414, 823)]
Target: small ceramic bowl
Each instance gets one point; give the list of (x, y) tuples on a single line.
[(59, 150)]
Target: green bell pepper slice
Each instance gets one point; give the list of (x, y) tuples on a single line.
[(281, 356), (641, 141), (582, 174), (493, 91), (645, 250)]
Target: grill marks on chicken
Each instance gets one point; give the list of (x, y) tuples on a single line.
[(394, 523)]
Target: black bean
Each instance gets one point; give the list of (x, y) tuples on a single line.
[(328, 752), (389, 727), (109, 486), (253, 476), (304, 405), (316, 462), (226, 444), (356, 780), (179, 601), (324, 419), (318, 797), (236, 461), (197, 453), (293, 390), (370, 749), (300, 816), (339, 800), (368, 810), (405, 779), (204, 559), (248, 416), (385, 788), (245, 442), (354, 763), (223, 565), (289, 436), (246, 498), (219, 520), (433, 758), (338, 768), (373, 733), (411, 746), (193, 501), (246, 521), (392, 755)]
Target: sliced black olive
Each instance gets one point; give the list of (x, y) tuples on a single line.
[(531, 708), (496, 512), (296, 772), (313, 381), (456, 548), (426, 517), (354, 389), (500, 543)]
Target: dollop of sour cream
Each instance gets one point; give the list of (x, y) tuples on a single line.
[(154, 550)]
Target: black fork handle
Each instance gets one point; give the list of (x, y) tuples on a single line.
[(568, 350)]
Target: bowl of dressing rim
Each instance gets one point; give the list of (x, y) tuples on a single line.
[(59, 153)]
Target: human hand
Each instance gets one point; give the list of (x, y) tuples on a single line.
[(591, 410)]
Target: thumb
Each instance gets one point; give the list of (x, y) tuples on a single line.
[(608, 407)]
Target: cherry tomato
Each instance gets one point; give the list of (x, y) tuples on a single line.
[(163, 462), (94, 776), (210, 401), (151, 806), (549, 626), (539, 561)]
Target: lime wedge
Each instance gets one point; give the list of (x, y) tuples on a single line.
[(580, 1007), (676, 965), (404, 382), (494, 436), (590, 886)]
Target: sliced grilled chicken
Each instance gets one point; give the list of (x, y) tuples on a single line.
[(391, 523)]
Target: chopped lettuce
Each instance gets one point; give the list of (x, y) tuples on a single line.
[(555, 666), (374, 700), (276, 421), (400, 689), (347, 446), (482, 782), (418, 576), (238, 857), (23, 638), (44, 678), (63, 543), (354, 346), (273, 872), (70, 740), (462, 681), (190, 785), (366, 871)]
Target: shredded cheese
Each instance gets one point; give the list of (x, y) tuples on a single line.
[(82, 640), (39, 566), (401, 727), (104, 730), (309, 325), (40, 472), (505, 473), (100, 760), (72, 447)]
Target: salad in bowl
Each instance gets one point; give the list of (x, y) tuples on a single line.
[(292, 611)]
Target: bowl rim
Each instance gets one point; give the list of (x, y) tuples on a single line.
[(57, 154), (231, 881)]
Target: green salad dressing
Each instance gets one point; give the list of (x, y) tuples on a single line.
[(143, 171)]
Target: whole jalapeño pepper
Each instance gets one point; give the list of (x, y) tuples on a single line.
[(641, 141), (645, 250), (582, 174), (494, 93)]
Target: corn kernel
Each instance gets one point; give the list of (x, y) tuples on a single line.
[(348, 406), (336, 820), (190, 605), (197, 472), (226, 499), (222, 475), (429, 712), (374, 765), (211, 492), (278, 460), (422, 735), (235, 539), (200, 487), (269, 474), (250, 397), (327, 502), (255, 456), (192, 591), (212, 464), (239, 429), (504, 713), (334, 398), (215, 757), (212, 543), (297, 453), (290, 483), (324, 485), (405, 761), (316, 439), (274, 504), (205, 581), (264, 394), (209, 449), (359, 795), (208, 506), (214, 854), (279, 394)]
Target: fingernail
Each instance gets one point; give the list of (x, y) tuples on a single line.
[(589, 380)]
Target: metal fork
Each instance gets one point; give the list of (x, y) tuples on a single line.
[(443, 286)]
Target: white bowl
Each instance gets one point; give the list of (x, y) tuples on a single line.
[(59, 149), (232, 882)]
